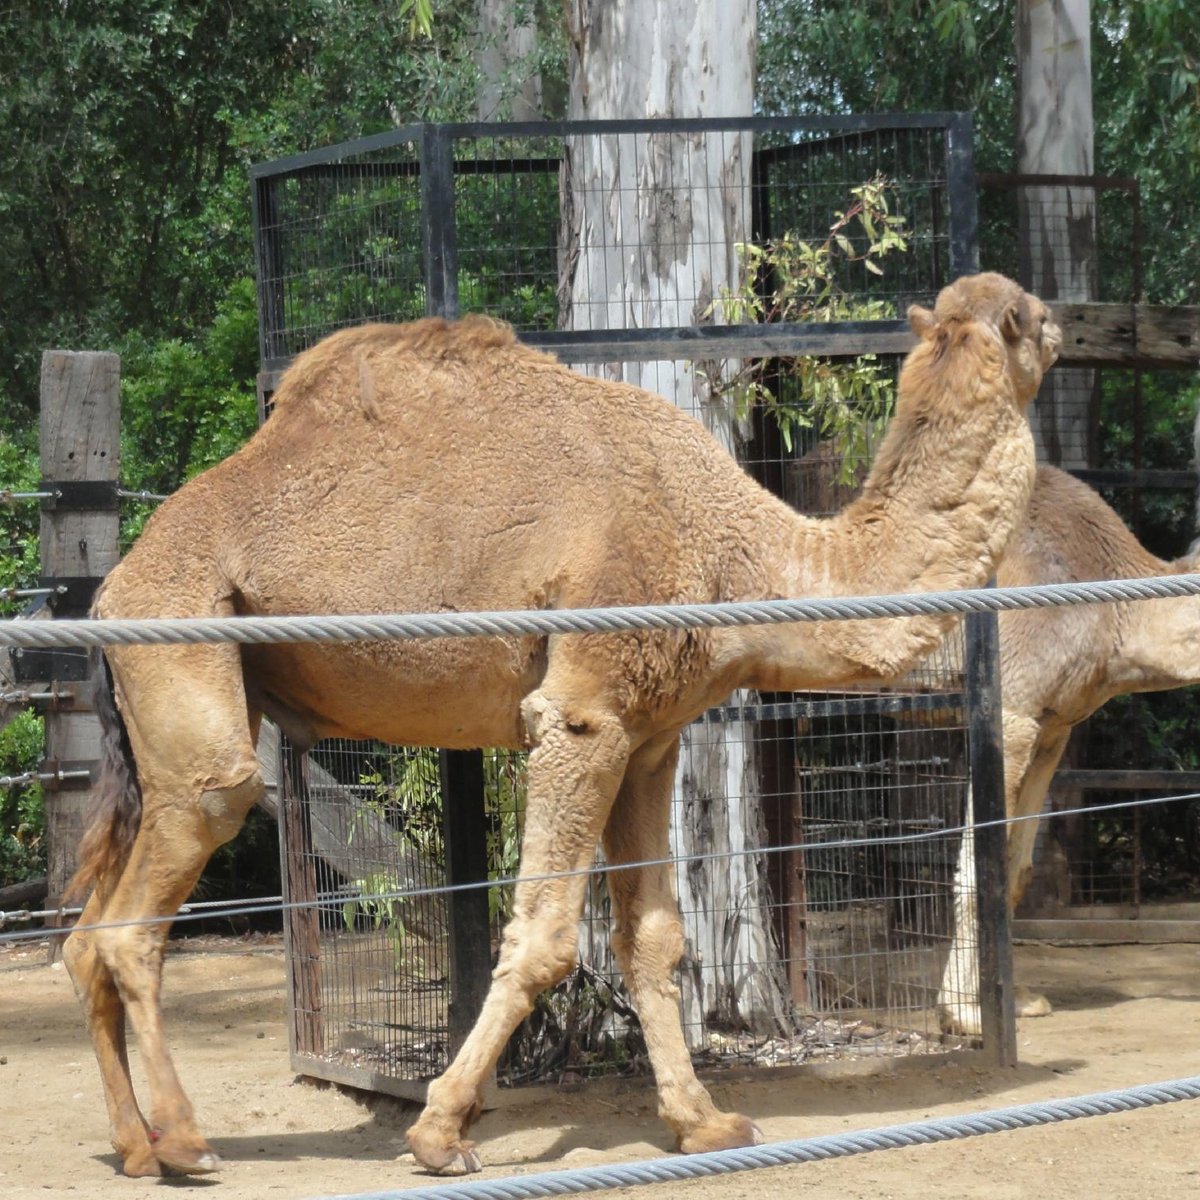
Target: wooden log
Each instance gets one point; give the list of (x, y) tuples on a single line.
[(340, 822), (1133, 928), (1155, 780), (1057, 226), (302, 930), (1129, 335), (18, 895)]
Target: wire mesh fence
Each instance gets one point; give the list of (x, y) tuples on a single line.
[(488, 218), (830, 949)]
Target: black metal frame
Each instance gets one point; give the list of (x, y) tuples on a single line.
[(436, 168)]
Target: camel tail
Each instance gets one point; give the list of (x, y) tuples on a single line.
[(117, 808)]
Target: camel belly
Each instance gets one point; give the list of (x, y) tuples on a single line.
[(457, 693)]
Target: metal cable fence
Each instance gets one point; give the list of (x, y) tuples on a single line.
[(837, 955)]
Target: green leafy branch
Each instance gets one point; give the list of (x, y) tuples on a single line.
[(790, 279), (420, 17)]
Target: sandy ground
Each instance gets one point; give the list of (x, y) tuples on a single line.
[(1125, 1015)]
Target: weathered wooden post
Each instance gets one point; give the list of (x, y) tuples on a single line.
[(80, 455)]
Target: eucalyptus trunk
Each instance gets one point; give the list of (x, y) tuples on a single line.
[(510, 87), (1058, 224), (650, 233)]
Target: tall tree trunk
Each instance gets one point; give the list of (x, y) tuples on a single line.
[(1058, 225), (651, 227), (509, 88)]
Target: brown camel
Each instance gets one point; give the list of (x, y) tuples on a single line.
[(1057, 667), (438, 467)]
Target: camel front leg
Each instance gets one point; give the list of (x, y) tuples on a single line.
[(105, 1015), (574, 771), (648, 943), (958, 999), (1022, 838)]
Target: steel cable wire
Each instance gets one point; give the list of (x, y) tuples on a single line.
[(816, 1149), (546, 622), (329, 900)]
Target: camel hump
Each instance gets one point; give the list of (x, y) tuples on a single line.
[(468, 340)]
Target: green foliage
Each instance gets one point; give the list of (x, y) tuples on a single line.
[(406, 795), (843, 56), (1162, 519), (1146, 80), (18, 520), (22, 817), (959, 55), (128, 131), (187, 404), (420, 16), (793, 280), (504, 787), (380, 901)]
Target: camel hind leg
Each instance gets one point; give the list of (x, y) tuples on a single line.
[(105, 1016), (1031, 757), (199, 776), (648, 943)]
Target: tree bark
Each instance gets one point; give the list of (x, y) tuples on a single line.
[(1058, 224), (650, 231), (508, 88)]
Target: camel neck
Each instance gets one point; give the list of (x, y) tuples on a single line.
[(949, 486)]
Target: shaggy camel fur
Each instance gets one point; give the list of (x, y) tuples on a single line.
[(439, 467), (1057, 667)]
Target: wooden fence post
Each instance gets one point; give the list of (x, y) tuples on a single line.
[(80, 455)]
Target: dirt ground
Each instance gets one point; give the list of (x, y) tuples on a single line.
[(1124, 1015)]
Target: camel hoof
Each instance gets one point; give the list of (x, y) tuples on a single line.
[(727, 1132), (1031, 1004), (440, 1153), (141, 1164), (465, 1162), (438, 1140), (458, 1159), (184, 1156)]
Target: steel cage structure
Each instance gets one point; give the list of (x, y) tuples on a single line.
[(443, 219)]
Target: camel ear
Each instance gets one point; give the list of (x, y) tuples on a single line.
[(922, 322), (1010, 323)]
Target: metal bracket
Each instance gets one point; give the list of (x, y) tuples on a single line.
[(38, 665), (55, 698), (66, 774), (70, 595), (76, 698), (80, 495)]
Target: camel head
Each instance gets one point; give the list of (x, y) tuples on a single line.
[(1021, 323)]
